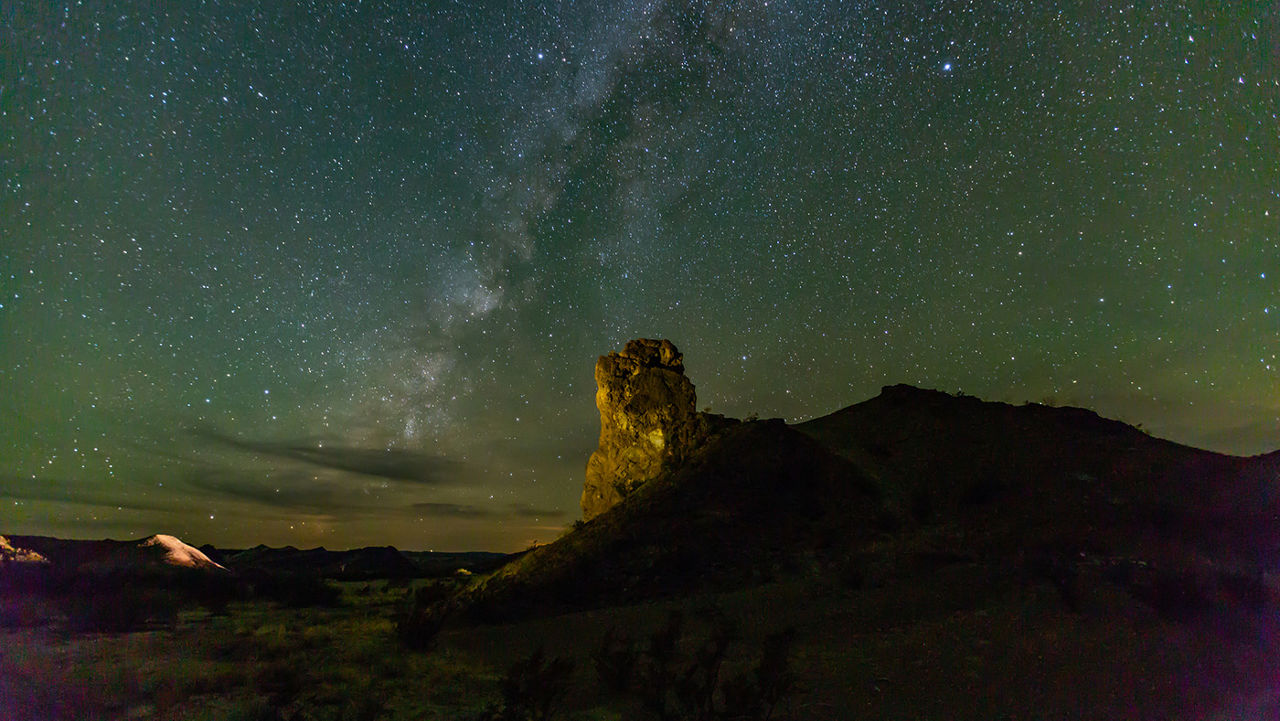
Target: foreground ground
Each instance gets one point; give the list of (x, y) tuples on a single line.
[(936, 639)]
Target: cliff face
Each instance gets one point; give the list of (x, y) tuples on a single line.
[(648, 421)]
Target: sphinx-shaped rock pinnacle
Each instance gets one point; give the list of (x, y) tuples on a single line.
[(648, 421)]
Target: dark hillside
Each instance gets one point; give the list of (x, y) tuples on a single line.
[(1031, 475), (909, 480), (758, 501)]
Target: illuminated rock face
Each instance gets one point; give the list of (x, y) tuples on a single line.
[(648, 421), (11, 554), (177, 553)]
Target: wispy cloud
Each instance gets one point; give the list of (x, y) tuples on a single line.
[(61, 490), (396, 464), (293, 490), (465, 510)]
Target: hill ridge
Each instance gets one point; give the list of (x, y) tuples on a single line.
[(909, 464)]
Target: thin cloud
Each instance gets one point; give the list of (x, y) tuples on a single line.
[(399, 465), (291, 490), (466, 510), (61, 490)]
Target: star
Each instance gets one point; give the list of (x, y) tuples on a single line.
[(408, 241)]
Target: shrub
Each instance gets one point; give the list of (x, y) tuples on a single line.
[(672, 684), (23, 611), (615, 662), (118, 609), (295, 590), (433, 593), (1246, 589), (979, 491), (921, 507), (532, 689), (419, 624), (757, 695), (281, 681)]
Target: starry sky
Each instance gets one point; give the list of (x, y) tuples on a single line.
[(337, 273)]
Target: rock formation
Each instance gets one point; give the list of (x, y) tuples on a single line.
[(11, 554), (648, 421), (177, 553)]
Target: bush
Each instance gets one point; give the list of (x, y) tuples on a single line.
[(295, 590), (433, 593), (532, 689), (419, 624), (422, 619), (1249, 590), (1187, 594), (615, 662), (23, 611), (921, 507), (118, 609), (281, 681), (672, 684)]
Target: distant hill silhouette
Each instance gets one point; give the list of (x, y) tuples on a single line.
[(1039, 474), (358, 563), (153, 553), (160, 552)]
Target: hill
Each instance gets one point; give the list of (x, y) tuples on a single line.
[(751, 504), (153, 553), (161, 552), (1035, 475), (357, 563), (1060, 494)]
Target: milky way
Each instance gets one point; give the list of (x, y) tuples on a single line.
[(337, 273)]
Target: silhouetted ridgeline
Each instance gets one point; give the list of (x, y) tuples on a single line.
[(910, 474), (102, 556)]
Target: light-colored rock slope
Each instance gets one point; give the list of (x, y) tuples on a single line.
[(177, 553)]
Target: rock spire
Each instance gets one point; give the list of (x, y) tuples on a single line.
[(648, 421)]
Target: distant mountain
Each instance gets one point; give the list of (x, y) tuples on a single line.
[(153, 553), (164, 551), (910, 472), (440, 563), (372, 562)]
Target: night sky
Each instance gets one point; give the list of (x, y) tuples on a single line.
[(337, 273)]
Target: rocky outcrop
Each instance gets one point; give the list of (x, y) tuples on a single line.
[(648, 421), (177, 553), (11, 554)]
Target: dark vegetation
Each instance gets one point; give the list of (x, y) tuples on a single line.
[(425, 614), (532, 689), (119, 601), (676, 680)]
